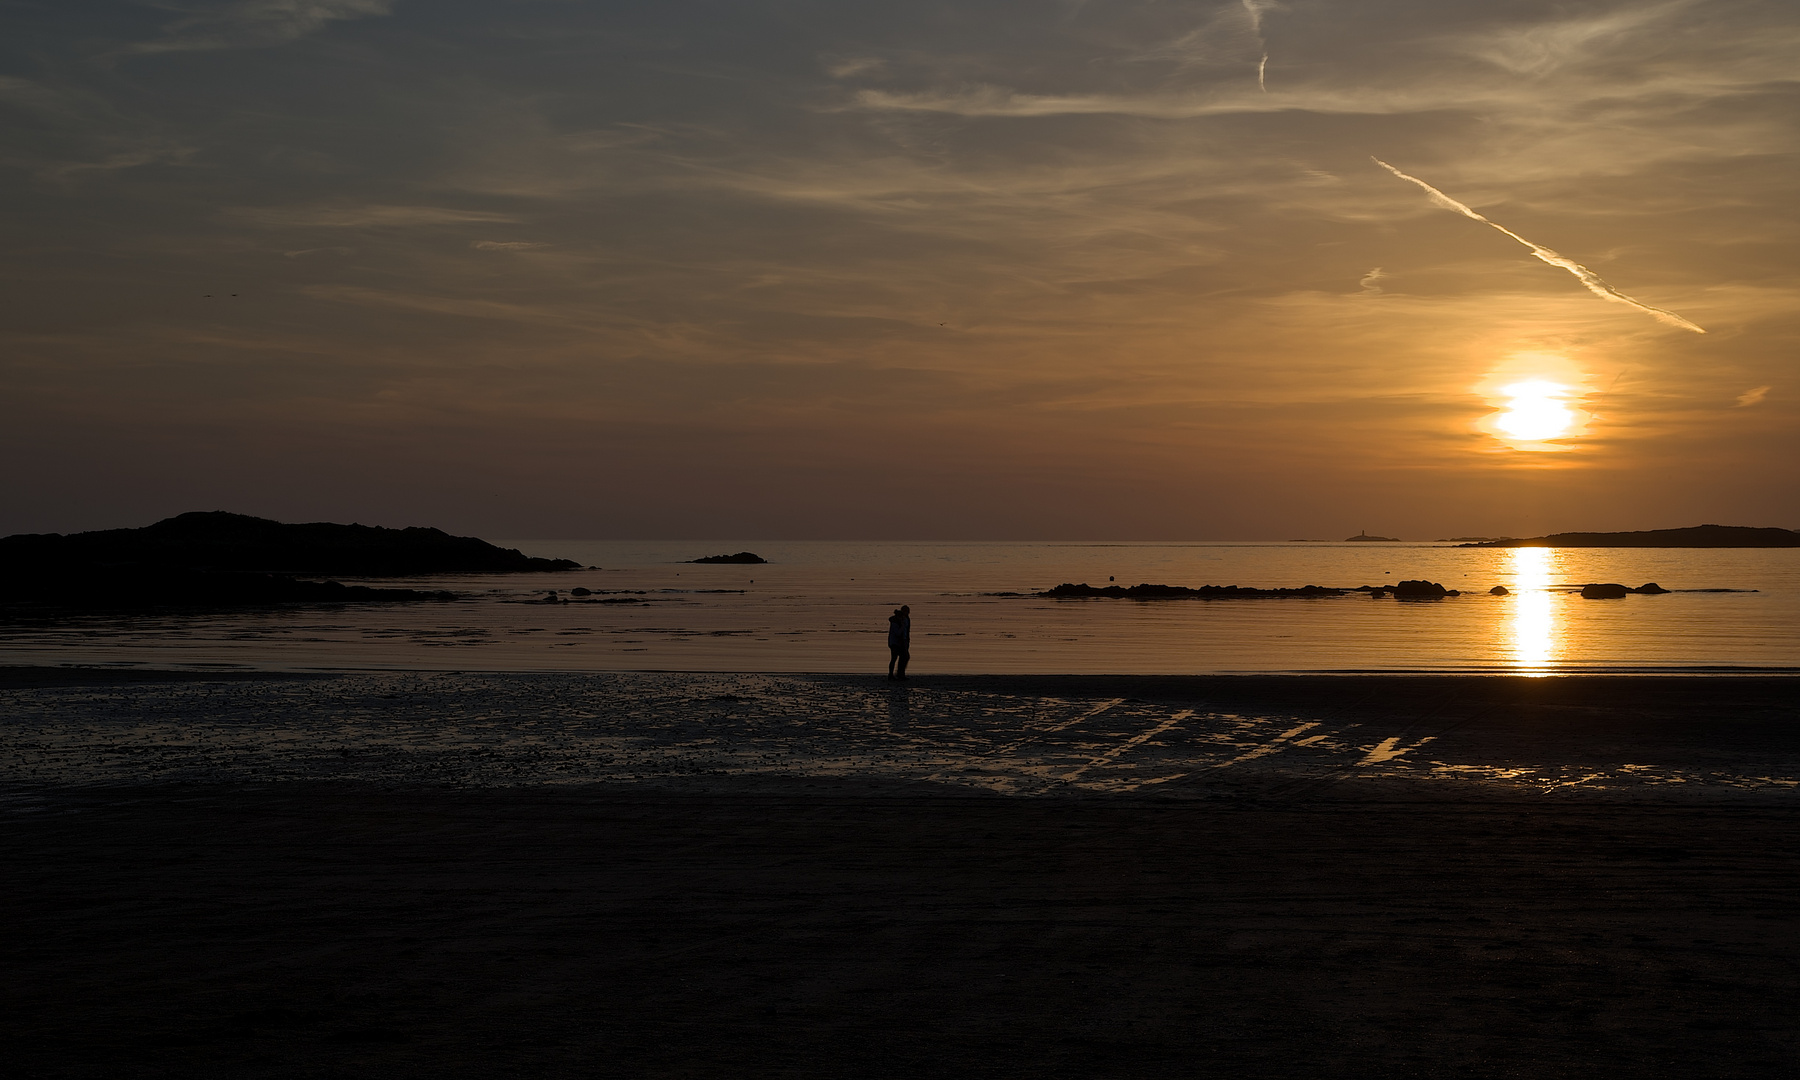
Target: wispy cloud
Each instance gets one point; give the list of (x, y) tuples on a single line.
[(1753, 396), (1371, 281), (89, 135), (368, 216), (257, 24), (1535, 49), (1582, 274), (1231, 38), (506, 245), (845, 67)]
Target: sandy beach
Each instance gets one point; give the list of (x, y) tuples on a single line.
[(679, 875)]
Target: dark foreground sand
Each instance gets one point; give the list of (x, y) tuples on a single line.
[(1329, 922)]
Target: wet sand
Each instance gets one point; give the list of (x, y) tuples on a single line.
[(979, 884)]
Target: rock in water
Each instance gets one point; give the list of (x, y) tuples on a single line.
[(1499, 590), (1608, 591), (1419, 590), (740, 557)]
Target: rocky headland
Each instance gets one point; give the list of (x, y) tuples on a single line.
[(1697, 536), (217, 559)]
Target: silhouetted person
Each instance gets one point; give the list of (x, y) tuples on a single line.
[(899, 641)]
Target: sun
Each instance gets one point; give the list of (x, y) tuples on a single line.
[(1535, 410), (1538, 403)]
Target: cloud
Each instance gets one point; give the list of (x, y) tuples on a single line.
[(505, 245), (1539, 48), (87, 134), (844, 67), (1370, 281), (1582, 274), (1753, 396), (368, 216), (257, 24), (1000, 101), (1231, 38)]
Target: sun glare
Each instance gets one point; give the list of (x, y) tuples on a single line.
[(1535, 410)]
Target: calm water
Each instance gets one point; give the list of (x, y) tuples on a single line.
[(822, 607)]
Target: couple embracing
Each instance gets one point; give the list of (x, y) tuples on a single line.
[(899, 641)]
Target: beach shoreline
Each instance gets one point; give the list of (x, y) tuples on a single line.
[(394, 875)]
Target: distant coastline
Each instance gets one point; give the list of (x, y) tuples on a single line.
[(1697, 536)]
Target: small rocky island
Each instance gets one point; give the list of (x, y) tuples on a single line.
[(745, 557), (1363, 537), (1697, 536), (218, 559)]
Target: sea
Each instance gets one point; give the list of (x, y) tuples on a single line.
[(822, 607)]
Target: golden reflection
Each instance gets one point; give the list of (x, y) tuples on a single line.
[(1534, 628)]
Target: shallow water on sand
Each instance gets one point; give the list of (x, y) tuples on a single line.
[(1015, 736), (821, 607)]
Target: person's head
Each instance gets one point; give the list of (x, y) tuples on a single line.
[(904, 610)]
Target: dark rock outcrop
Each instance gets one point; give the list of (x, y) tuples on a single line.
[(1698, 536), (218, 541), (1361, 537), (1613, 590), (1419, 590), (1499, 590), (746, 557), (212, 560)]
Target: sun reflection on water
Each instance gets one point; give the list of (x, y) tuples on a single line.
[(1534, 626)]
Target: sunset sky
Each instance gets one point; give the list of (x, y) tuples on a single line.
[(1055, 270)]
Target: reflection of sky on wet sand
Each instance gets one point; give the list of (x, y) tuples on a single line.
[(699, 731), (1535, 632)]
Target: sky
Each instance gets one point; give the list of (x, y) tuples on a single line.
[(1011, 270)]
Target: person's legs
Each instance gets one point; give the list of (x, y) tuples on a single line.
[(903, 655), (893, 658)]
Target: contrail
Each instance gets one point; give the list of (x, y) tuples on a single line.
[(1255, 8), (1582, 274)]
